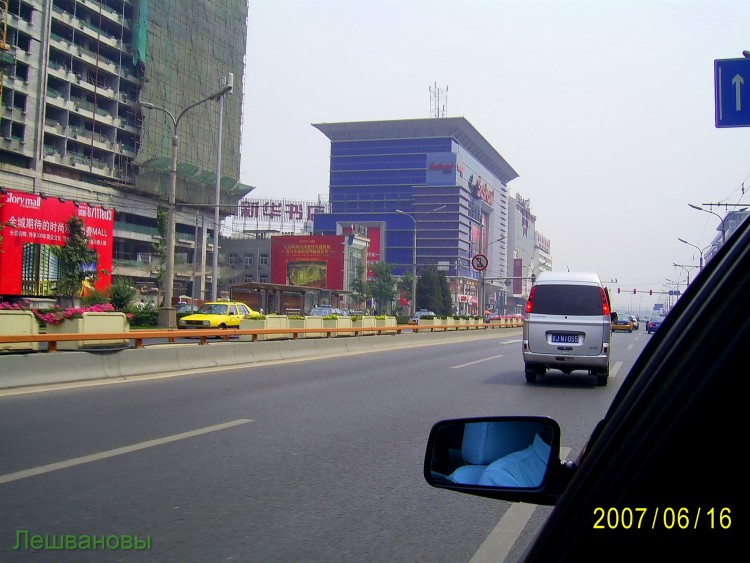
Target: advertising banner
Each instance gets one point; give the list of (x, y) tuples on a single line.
[(311, 261), (374, 234), (32, 226), (441, 169)]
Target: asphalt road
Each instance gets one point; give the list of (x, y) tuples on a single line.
[(296, 461)]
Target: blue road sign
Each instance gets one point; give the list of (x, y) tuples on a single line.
[(732, 92)]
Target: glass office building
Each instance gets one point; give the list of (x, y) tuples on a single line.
[(435, 181)]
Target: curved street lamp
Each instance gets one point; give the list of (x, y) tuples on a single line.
[(723, 232), (167, 314), (700, 268), (414, 257)]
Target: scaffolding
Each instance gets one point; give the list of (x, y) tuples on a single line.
[(187, 46)]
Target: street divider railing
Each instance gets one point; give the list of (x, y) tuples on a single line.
[(204, 334)]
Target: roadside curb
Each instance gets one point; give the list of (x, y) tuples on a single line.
[(36, 368)]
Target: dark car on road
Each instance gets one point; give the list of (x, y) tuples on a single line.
[(414, 320), (653, 324), (662, 473)]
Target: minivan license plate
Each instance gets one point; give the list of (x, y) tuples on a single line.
[(564, 338)]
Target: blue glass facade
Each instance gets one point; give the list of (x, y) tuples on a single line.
[(445, 178)]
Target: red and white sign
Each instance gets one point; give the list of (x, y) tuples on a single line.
[(32, 219), (479, 262)]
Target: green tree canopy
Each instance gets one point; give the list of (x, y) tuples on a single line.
[(382, 286), (76, 261), (359, 287), (433, 292)]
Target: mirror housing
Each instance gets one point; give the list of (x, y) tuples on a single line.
[(513, 458)]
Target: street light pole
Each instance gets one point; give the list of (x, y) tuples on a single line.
[(413, 266), (700, 268), (227, 80), (414, 258), (723, 232), (685, 267), (167, 314)]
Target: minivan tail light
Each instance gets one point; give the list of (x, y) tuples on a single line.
[(531, 298), (605, 301)]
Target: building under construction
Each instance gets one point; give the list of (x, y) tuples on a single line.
[(74, 77)]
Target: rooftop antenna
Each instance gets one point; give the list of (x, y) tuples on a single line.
[(436, 109)]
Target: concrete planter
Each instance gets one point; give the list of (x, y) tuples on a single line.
[(341, 322), (430, 322), (365, 322), (270, 322), (308, 322), (388, 321), (13, 322), (92, 323)]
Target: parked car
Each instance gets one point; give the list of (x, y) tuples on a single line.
[(325, 310), (635, 321), (653, 324), (217, 314), (419, 314), (622, 322), (568, 326), (637, 487), (186, 309)]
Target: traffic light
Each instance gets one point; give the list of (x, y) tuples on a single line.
[(650, 291), (618, 290), (634, 291)]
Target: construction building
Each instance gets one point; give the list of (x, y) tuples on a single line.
[(74, 75)]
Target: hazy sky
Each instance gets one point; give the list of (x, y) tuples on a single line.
[(604, 108)]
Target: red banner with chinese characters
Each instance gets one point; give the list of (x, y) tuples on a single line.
[(312, 261), (30, 224)]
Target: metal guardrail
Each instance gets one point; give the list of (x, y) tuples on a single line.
[(138, 336)]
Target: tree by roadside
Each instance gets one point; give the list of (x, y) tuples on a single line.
[(77, 263), (122, 293), (382, 286), (359, 287), (433, 292)]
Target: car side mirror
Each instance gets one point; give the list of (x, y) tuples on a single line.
[(508, 458)]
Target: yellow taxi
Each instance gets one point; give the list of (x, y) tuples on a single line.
[(217, 314), (622, 322)]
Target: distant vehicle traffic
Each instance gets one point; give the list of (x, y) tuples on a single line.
[(653, 324), (636, 322)]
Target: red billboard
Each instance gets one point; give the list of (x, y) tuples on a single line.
[(311, 261), (31, 225)]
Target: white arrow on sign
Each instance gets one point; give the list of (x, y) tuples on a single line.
[(738, 81)]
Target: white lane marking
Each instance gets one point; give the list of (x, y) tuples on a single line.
[(500, 540), (478, 361), (118, 451), (615, 369), (511, 341)]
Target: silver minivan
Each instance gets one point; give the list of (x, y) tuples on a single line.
[(568, 325)]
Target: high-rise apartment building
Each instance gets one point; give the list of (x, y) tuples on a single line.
[(73, 76)]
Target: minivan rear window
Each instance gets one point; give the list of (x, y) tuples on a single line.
[(573, 300)]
